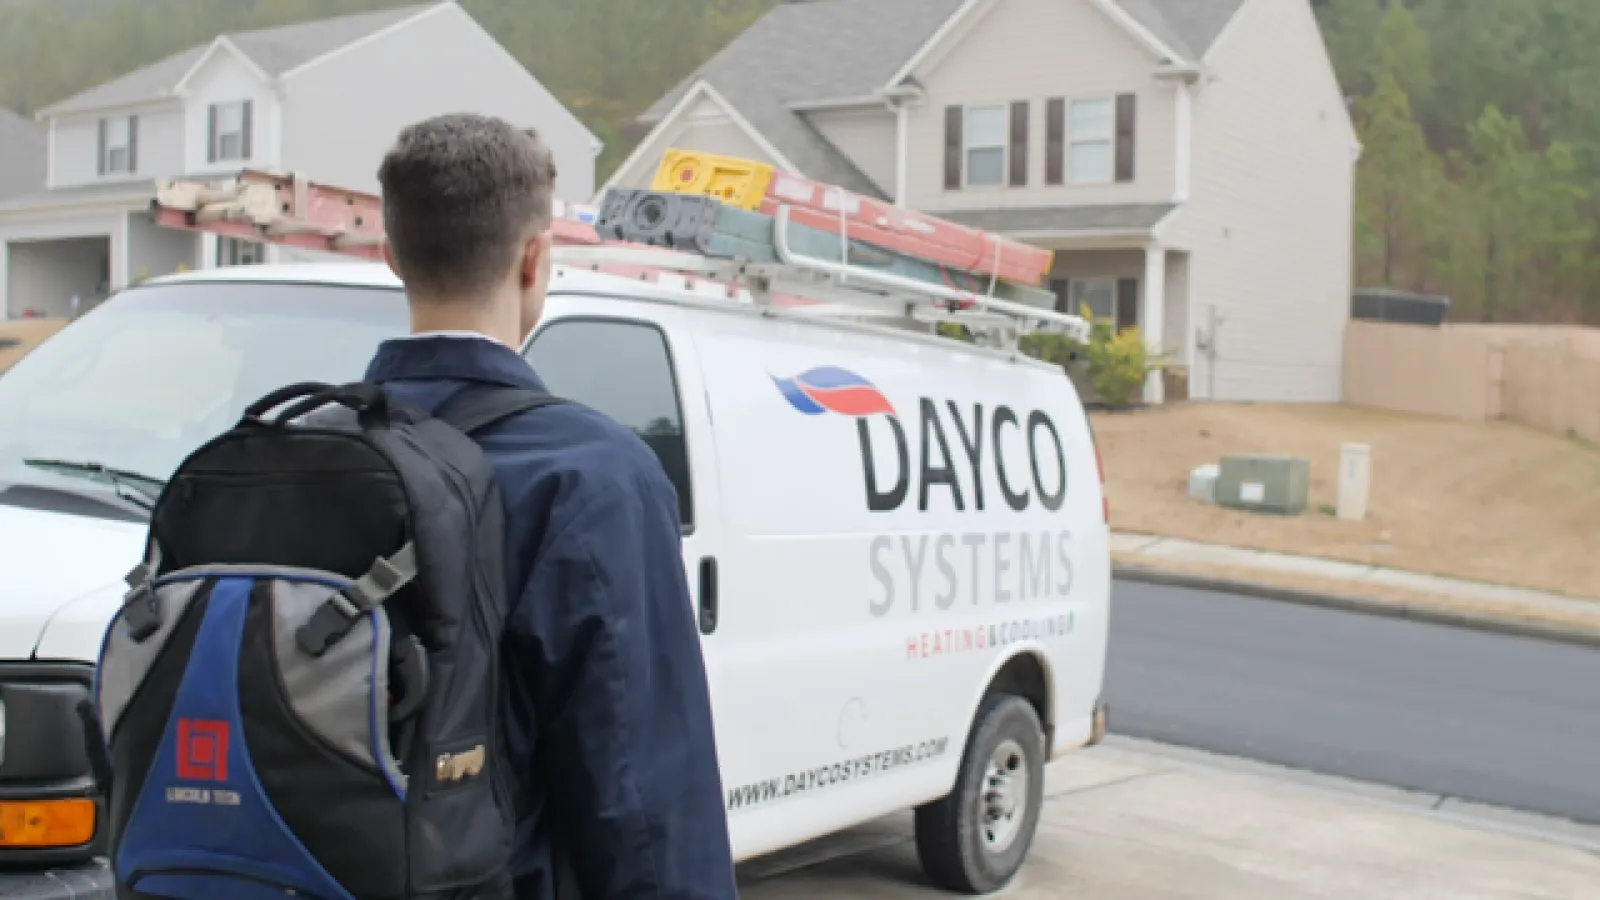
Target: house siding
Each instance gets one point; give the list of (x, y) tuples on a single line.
[(1035, 50), (704, 126), (154, 251), (158, 148), (1269, 223), (866, 136), (224, 79), (440, 63)]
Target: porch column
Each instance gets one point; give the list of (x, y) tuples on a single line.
[(5, 279), (120, 268), (1152, 321)]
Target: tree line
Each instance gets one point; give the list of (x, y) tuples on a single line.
[(1480, 119), (1480, 125)]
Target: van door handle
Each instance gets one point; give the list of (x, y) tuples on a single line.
[(708, 594)]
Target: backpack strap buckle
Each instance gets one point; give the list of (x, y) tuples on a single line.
[(338, 614), (141, 610), (328, 625)]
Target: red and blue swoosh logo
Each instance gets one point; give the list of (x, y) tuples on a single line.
[(835, 390)]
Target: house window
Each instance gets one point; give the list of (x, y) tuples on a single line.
[(1099, 294), (118, 138), (229, 129), (986, 145), (236, 252), (1090, 141)]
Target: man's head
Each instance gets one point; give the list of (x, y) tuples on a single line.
[(467, 209)]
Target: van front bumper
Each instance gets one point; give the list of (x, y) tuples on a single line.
[(86, 881)]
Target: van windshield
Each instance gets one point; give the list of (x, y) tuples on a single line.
[(140, 382)]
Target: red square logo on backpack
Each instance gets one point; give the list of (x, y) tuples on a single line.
[(202, 750)]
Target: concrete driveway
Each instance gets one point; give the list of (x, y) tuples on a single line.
[(1128, 820)]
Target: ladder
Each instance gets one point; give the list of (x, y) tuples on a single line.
[(779, 275), (291, 210), (763, 188)]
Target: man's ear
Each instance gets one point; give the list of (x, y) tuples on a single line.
[(388, 257), (533, 253)]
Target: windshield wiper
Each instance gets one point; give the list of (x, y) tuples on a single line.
[(122, 481)]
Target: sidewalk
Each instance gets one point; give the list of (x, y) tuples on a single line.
[(1131, 820), (1144, 557)]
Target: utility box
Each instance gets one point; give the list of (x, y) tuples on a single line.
[(1264, 483), (1355, 481), (1203, 483)]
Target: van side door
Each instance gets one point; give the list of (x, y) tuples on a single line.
[(637, 364)]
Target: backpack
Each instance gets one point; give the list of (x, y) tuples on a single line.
[(300, 693)]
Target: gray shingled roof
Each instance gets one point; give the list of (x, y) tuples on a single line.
[(22, 155), (815, 51), (275, 50), (810, 50), (1132, 216), (1189, 27)]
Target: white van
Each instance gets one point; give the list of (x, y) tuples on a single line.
[(896, 542)]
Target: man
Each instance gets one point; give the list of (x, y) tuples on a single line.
[(607, 709)]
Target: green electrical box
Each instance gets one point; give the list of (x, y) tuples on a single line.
[(1264, 483)]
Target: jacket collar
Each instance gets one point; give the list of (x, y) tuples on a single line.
[(451, 356)]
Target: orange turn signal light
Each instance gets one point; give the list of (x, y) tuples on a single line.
[(46, 823)]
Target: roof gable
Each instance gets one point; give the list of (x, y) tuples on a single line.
[(814, 51), (273, 50), (1189, 27), (833, 49), (820, 50), (807, 51)]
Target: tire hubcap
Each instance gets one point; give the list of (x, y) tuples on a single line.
[(1003, 805)]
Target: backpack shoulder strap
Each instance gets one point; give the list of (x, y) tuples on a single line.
[(477, 408)]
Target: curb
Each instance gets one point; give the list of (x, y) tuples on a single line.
[(1433, 615)]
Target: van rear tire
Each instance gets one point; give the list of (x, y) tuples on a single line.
[(975, 840)]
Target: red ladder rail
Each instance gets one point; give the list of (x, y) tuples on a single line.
[(294, 211)]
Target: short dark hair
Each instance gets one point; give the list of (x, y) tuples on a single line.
[(461, 193)]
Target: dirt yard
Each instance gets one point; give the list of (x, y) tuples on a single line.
[(1494, 502), (19, 336)]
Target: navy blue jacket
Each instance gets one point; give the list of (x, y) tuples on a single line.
[(607, 705)]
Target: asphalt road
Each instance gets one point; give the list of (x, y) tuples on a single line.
[(1495, 719)]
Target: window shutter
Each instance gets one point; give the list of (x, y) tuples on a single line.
[(1127, 303), (211, 133), (1125, 136), (953, 118), (100, 158), (1055, 141), (133, 143), (1063, 291), (1019, 143), (244, 138)]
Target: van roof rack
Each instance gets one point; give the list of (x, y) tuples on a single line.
[(775, 253)]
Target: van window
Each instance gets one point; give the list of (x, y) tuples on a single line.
[(146, 377), (623, 369)]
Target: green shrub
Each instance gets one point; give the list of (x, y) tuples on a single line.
[(1118, 361), (1051, 347)]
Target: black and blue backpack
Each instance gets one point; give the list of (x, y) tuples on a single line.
[(299, 696)]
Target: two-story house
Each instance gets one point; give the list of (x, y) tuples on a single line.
[(325, 98), (1191, 162)]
